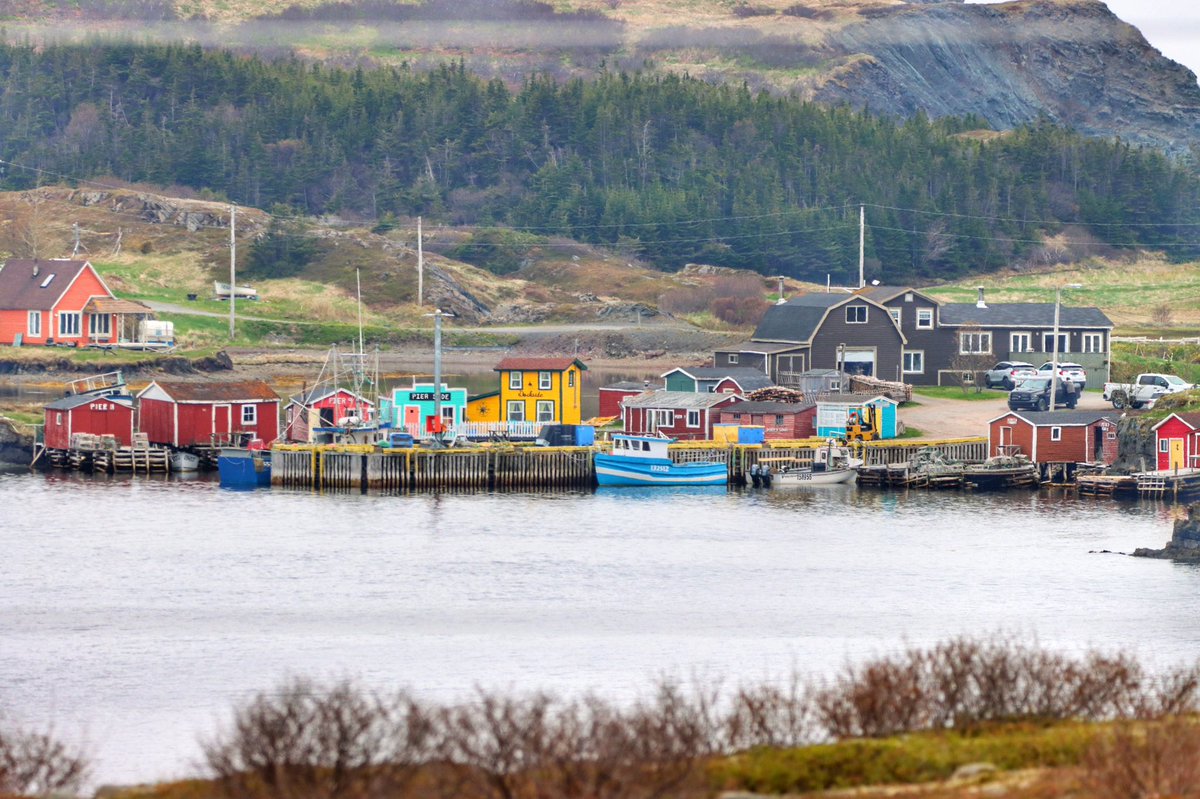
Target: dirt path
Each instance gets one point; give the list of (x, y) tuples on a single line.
[(938, 417)]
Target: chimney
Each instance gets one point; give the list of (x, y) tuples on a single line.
[(979, 303), (36, 269)]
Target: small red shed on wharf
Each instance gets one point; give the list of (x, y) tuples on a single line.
[(781, 421), (1056, 436), (96, 414), (324, 407), (181, 414), (683, 415), (612, 395), (1177, 442)]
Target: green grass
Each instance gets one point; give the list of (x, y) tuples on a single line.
[(908, 759), (911, 432), (1131, 359), (956, 393)]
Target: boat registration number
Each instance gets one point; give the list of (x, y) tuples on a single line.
[(660, 468)]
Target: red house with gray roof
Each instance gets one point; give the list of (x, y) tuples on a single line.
[(61, 301), (180, 414)]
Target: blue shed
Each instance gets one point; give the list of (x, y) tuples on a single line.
[(833, 413), (412, 407)]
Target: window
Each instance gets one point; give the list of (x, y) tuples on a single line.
[(545, 410), (1020, 342), (924, 318), (58, 417), (1093, 342), (835, 385), (1063, 342), (661, 417), (974, 343), (544, 381), (571, 379), (34, 326), (733, 358), (448, 414), (914, 362), (856, 314), (693, 418), (249, 414), (68, 324), (100, 325), (1056, 434), (895, 314), (46, 282), (1164, 445), (516, 410), (514, 380), (779, 418), (908, 296)]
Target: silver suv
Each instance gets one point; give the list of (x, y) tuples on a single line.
[(1007, 374), (1066, 371)]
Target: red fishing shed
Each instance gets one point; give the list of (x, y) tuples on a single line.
[(98, 415), (182, 414)]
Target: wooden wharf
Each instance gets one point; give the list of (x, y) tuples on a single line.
[(360, 467), (1176, 485)]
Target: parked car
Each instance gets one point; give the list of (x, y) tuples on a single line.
[(1033, 394), (1066, 371), (1007, 374), (1144, 390)]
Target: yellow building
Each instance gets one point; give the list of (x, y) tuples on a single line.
[(544, 390)]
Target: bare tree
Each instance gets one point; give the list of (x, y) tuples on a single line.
[(38, 764), (28, 233)]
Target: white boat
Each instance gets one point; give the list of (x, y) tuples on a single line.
[(644, 461), (184, 461), (830, 465)]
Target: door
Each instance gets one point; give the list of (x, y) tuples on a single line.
[(1005, 441), (1175, 458), (412, 419), (222, 416), (859, 361)]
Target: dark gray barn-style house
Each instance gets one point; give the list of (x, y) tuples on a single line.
[(900, 333)]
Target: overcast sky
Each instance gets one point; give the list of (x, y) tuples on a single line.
[(1173, 26)]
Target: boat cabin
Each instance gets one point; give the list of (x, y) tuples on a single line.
[(650, 447)]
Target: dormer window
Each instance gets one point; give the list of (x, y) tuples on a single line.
[(46, 282)]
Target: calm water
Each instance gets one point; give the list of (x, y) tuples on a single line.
[(133, 612)]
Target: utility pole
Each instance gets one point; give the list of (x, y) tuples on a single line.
[(232, 267), (437, 315), (420, 266), (862, 235)]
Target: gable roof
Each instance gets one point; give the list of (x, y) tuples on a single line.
[(760, 347), (1020, 314), (1061, 418), (797, 319), (318, 394), (747, 377), (223, 391), (631, 385), (520, 364), (1191, 419), (690, 400), (75, 400), (882, 294), (38, 285)]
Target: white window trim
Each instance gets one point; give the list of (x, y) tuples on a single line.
[(1089, 338), (33, 324), (1064, 338), (541, 405), (508, 410), (515, 379), (94, 322), (962, 343), (1012, 342), (693, 415), (927, 324), (907, 371), (1164, 445), (896, 315), (250, 414), (856, 308), (733, 358), (1056, 434), (545, 381), (74, 315)]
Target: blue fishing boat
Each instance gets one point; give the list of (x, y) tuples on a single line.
[(244, 468), (643, 461)]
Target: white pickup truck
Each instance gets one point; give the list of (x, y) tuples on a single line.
[(1144, 390)]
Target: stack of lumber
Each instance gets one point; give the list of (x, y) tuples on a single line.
[(776, 394), (900, 392)]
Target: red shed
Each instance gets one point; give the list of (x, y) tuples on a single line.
[(1056, 436), (324, 407), (612, 396), (97, 414), (684, 415), (781, 421), (1178, 441), (190, 414)]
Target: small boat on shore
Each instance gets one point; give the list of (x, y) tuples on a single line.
[(244, 467), (1001, 472), (183, 461), (831, 465), (644, 461)]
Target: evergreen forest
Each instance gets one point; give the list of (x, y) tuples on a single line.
[(669, 168)]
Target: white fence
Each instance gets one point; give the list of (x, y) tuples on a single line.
[(513, 431)]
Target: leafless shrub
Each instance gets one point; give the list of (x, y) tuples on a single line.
[(740, 310), (740, 286), (501, 741), (770, 715), (1145, 761), (310, 741), (1161, 314), (38, 764), (687, 300)]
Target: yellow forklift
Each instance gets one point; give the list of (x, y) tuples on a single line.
[(863, 424)]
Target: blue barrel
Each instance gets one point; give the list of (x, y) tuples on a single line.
[(585, 435)]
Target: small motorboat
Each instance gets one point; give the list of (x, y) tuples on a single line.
[(245, 467), (182, 461), (831, 465), (1000, 472), (645, 461)]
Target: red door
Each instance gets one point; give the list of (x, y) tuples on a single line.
[(222, 422)]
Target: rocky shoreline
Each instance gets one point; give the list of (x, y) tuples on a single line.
[(16, 448), (1184, 545)]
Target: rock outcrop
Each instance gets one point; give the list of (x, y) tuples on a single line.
[(16, 449), (1185, 540)]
